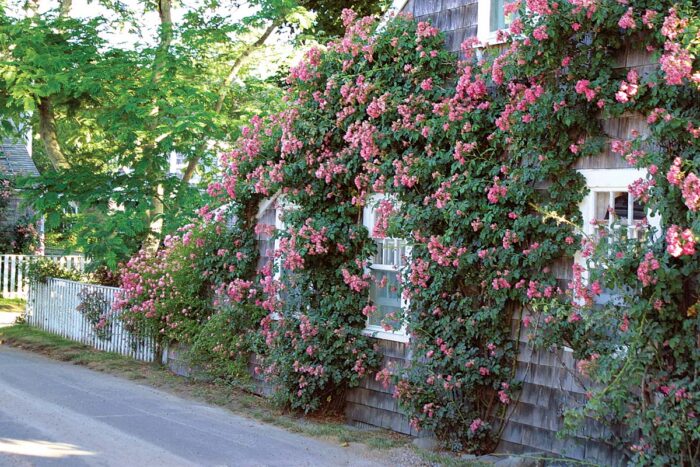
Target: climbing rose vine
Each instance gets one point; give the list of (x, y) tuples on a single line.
[(475, 161)]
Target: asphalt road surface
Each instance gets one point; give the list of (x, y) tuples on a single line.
[(54, 413)]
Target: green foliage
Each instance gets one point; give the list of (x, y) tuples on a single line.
[(121, 111), (222, 346), (42, 269), (477, 168), (97, 310), (173, 293), (328, 22), (630, 314)]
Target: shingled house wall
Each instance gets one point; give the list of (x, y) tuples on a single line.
[(14, 160), (550, 383)]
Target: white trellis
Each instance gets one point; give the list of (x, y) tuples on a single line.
[(52, 306), (12, 281)]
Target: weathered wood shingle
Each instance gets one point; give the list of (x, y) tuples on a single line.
[(457, 19), (15, 159)]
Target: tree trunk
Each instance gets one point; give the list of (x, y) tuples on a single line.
[(64, 10), (223, 91), (47, 132), (155, 214), (47, 119)]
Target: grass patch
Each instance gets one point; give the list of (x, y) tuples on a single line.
[(12, 305), (232, 398)]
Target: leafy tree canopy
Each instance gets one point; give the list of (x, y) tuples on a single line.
[(113, 96)]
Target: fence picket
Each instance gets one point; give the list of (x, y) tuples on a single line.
[(12, 278), (53, 307)]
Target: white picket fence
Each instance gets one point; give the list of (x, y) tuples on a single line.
[(12, 283), (52, 306)]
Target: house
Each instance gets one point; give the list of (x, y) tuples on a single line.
[(549, 383), (15, 160)]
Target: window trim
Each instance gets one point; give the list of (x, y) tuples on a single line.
[(606, 180), (483, 26), (279, 225), (263, 206)]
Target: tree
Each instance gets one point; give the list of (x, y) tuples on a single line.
[(328, 22), (109, 117)]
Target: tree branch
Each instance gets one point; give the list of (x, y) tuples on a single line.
[(47, 119), (223, 90)]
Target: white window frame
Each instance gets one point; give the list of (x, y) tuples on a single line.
[(369, 220), (483, 27), (279, 225), (606, 181)]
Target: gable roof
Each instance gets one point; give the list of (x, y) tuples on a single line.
[(15, 159)]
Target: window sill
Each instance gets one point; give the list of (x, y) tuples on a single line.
[(387, 335), (490, 41)]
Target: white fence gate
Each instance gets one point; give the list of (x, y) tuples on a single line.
[(53, 307), (12, 283)]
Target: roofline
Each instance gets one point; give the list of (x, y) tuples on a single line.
[(396, 6), (394, 9)]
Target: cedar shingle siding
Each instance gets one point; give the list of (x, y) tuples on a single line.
[(14, 160), (456, 18), (549, 379)]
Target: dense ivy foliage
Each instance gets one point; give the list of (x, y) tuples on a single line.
[(475, 160)]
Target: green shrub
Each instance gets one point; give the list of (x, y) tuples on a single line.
[(223, 345), (42, 269)]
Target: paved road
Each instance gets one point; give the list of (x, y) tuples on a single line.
[(53, 413)]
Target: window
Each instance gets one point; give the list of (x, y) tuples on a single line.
[(385, 286), (270, 214), (268, 221), (609, 200), (609, 203), (491, 19)]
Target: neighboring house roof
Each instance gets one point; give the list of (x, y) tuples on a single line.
[(15, 159)]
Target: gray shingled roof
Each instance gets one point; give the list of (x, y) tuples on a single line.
[(15, 159)]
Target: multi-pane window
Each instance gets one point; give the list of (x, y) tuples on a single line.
[(385, 285), (267, 223), (613, 207), (609, 205), (270, 217), (385, 288), (491, 19)]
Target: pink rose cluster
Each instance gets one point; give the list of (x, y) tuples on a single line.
[(680, 242)]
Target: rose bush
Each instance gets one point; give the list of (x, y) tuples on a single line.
[(175, 292), (476, 161)]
